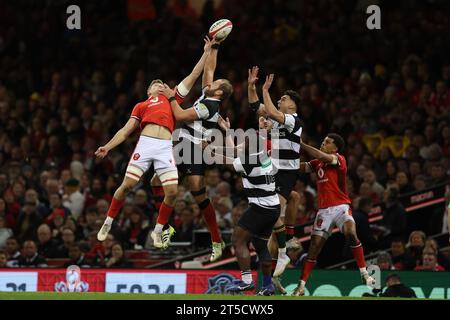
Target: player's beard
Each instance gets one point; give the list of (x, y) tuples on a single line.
[(209, 93)]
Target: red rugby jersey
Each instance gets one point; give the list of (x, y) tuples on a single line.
[(331, 182)]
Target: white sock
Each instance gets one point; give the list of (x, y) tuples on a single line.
[(363, 271), (109, 220), (281, 251), (246, 276), (302, 283), (159, 228)]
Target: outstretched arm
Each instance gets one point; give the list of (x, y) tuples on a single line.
[(190, 80), (316, 153), (253, 99), (271, 111), (210, 65), (179, 113), (120, 136)]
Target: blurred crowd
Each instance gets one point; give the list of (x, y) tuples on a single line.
[(65, 92)]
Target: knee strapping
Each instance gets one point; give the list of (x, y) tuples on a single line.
[(202, 205), (261, 249), (198, 192), (279, 229)]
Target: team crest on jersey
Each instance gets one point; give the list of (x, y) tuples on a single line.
[(319, 222), (136, 156)]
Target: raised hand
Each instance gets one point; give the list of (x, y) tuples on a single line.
[(167, 92), (253, 75), (268, 83), (208, 44), (101, 152), (224, 124)]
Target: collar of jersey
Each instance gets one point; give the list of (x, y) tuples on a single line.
[(213, 99)]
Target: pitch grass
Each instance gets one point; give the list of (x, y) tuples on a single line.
[(138, 296)]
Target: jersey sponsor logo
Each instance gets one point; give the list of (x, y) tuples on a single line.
[(154, 100), (136, 156), (320, 173)]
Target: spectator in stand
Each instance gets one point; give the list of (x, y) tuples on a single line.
[(134, 232), (12, 249), (375, 186), (184, 232), (443, 260), (223, 208), (141, 201), (73, 199), (117, 259), (28, 222), (68, 239), (5, 232), (3, 259), (403, 183), (90, 219), (394, 217), (32, 196), (47, 245), (56, 222), (384, 261), (363, 230), (420, 183), (30, 257), (438, 174), (414, 249), (429, 261), (76, 257), (55, 202), (400, 259)]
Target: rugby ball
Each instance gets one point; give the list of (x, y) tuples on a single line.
[(220, 29)]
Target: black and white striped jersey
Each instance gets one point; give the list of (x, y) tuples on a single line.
[(257, 178), (208, 113), (286, 143)]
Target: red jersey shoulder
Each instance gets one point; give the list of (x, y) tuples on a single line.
[(137, 110), (342, 161)]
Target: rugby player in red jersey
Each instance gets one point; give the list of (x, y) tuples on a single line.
[(156, 120), (334, 206)]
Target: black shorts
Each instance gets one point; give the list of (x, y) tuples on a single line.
[(259, 221), (285, 182), (192, 166)]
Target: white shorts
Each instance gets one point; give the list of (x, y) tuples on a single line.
[(150, 151), (329, 217)]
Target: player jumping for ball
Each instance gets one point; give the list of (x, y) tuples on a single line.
[(252, 160), (334, 206), (199, 120), (285, 153), (157, 122)]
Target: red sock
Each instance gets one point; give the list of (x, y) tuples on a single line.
[(289, 229), (358, 254), (115, 207), (158, 196), (210, 218), (164, 213), (308, 266), (274, 264)]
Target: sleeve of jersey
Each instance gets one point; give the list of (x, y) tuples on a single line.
[(342, 164), (290, 122), (237, 164), (181, 93), (136, 113), (202, 111)]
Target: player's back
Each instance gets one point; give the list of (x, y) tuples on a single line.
[(331, 182)]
